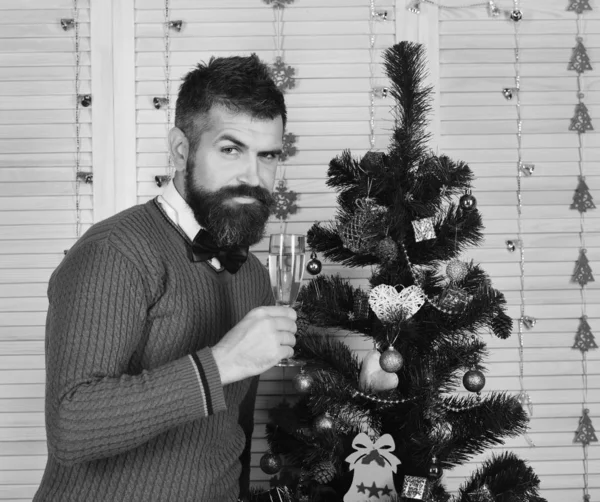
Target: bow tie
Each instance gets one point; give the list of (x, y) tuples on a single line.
[(204, 249)]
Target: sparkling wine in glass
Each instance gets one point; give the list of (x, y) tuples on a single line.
[(286, 268)]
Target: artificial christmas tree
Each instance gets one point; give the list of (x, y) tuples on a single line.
[(395, 418)]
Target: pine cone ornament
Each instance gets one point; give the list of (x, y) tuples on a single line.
[(387, 250), (302, 323), (323, 472), (502, 325)]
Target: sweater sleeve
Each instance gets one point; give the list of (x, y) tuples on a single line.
[(96, 316)]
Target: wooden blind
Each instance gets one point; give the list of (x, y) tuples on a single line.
[(479, 126), (37, 212), (327, 42)]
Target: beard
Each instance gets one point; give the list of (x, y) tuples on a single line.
[(230, 223)]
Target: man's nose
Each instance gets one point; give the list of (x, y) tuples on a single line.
[(250, 174)]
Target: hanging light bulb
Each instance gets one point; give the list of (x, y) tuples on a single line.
[(493, 9), (414, 7)]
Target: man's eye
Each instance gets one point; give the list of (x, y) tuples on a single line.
[(271, 156), (229, 150)]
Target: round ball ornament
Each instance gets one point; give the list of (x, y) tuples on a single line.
[(516, 15), (474, 380), (467, 202), (270, 463), (456, 270), (323, 423), (391, 360), (314, 266), (303, 383)]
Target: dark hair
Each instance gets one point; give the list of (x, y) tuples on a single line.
[(241, 84)]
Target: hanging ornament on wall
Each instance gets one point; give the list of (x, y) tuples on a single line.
[(584, 338), (580, 61), (314, 266), (581, 121), (467, 202), (282, 74), (270, 463), (493, 9), (583, 271), (507, 92), (528, 322), (526, 168), (585, 433), (289, 149), (579, 6), (280, 4), (285, 201), (582, 199), (516, 15)]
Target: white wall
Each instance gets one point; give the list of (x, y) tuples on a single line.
[(327, 42)]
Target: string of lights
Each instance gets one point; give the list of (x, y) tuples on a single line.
[(167, 72), (77, 120), (523, 169)]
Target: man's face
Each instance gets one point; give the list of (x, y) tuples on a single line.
[(230, 176)]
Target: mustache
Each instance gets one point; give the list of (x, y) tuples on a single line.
[(260, 194)]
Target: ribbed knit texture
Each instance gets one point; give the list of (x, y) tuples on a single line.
[(135, 409)]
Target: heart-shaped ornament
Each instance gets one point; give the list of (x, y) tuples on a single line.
[(372, 377), (389, 304)]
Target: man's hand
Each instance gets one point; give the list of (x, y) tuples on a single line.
[(263, 337)]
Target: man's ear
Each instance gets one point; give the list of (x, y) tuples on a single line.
[(179, 148)]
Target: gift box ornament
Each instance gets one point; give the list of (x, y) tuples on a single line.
[(454, 299), (374, 466), (416, 488), (423, 229)]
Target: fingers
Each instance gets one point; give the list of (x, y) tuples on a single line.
[(278, 311), (287, 352), (285, 324), (287, 339)]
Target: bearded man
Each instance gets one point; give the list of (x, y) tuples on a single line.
[(160, 320)]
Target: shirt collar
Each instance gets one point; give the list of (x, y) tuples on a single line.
[(179, 211)]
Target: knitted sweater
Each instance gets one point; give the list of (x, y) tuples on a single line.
[(135, 409)]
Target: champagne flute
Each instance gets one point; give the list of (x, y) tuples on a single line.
[(286, 268)]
